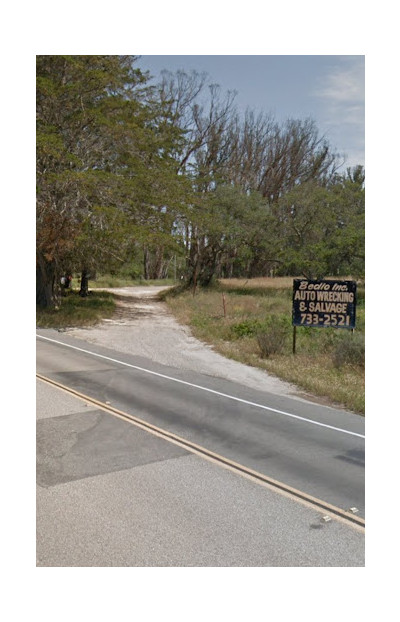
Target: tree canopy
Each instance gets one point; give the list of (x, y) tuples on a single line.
[(127, 171)]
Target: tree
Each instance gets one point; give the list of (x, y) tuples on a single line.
[(79, 104), (103, 164), (346, 248), (202, 115), (256, 156), (125, 171), (199, 111), (323, 227)]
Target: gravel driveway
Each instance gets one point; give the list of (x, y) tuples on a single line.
[(143, 326)]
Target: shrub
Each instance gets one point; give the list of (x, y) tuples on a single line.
[(246, 328), (272, 337), (349, 350)]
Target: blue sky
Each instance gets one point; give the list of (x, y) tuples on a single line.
[(329, 89)]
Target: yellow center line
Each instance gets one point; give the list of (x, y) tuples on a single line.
[(259, 478)]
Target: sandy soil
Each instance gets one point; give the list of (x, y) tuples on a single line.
[(143, 326)]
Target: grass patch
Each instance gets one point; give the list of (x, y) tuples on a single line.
[(109, 280), (77, 311), (256, 330)]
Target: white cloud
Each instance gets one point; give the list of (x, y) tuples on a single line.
[(343, 91), (342, 95)]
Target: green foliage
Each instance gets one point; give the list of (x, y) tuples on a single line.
[(140, 176), (349, 350), (273, 336), (246, 328), (77, 311), (105, 179), (323, 229)]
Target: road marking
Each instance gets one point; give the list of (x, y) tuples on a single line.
[(329, 510), (201, 388)]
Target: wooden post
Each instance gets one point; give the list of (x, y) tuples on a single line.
[(194, 283), (224, 304), (294, 339)]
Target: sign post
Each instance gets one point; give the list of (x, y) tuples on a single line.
[(323, 304)]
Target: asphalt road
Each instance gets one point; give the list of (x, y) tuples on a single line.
[(93, 461)]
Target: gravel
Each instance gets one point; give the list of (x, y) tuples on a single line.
[(143, 326)]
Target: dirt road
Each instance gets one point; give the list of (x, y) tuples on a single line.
[(143, 326)]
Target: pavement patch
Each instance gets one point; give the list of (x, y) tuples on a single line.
[(82, 445)]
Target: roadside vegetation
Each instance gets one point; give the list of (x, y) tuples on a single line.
[(75, 310), (249, 320)]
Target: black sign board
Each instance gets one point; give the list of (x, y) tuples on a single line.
[(324, 303)]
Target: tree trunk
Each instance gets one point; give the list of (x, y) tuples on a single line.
[(146, 264), (84, 284), (159, 263), (45, 282)]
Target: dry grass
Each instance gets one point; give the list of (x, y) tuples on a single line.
[(280, 282), (265, 282), (249, 305), (317, 376)]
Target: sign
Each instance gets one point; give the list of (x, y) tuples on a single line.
[(324, 303)]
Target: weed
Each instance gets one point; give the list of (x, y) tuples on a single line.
[(273, 336), (246, 328), (349, 350), (77, 311)]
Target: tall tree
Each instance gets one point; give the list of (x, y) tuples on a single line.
[(103, 163), (254, 154), (346, 247), (79, 100), (322, 227)]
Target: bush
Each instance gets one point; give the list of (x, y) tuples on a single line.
[(272, 337), (246, 328), (349, 350)]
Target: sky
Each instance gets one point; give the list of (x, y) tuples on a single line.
[(329, 89)]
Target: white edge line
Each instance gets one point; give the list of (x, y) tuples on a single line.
[(196, 386)]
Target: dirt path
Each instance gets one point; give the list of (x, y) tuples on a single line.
[(143, 326)]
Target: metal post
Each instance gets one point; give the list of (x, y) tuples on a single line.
[(294, 339)]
